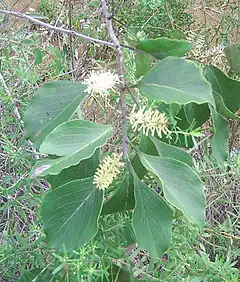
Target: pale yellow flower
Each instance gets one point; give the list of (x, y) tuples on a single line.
[(101, 82), (107, 171), (149, 121)]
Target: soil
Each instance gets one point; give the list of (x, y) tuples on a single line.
[(209, 16), (22, 5)]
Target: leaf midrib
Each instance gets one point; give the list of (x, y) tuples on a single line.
[(177, 90), (75, 211), (71, 144), (84, 147), (56, 116), (63, 158), (163, 183)]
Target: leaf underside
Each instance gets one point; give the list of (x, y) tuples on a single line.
[(53, 104), (70, 214), (152, 220), (74, 140), (181, 185)]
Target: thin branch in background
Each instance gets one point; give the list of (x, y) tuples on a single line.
[(62, 30), (24, 8), (52, 32), (121, 71), (133, 97), (70, 6), (55, 28)]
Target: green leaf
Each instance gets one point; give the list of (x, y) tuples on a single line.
[(146, 146), (181, 185), (84, 169), (138, 167), (169, 151), (143, 63), (221, 107), (193, 116), (163, 47), (53, 104), (123, 197), (174, 109), (175, 80), (233, 56), (75, 140), (70, 214), (152, 220), (227, 88), (197, 113), (38, 56), (219, 142)]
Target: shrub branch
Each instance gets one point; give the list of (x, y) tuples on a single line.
[(115, 44), (121, 71), (59, 29)]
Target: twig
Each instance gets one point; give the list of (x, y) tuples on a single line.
[(133, 97), (121, 75), (58, 29), (70, 36), (56, 23), (169, 17), (61, 30)]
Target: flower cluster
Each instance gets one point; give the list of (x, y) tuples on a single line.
[(149, 121), (107, 171), (101, 82)]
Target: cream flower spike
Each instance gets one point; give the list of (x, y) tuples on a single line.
[(107, 171), (101, 82), (149, 121)]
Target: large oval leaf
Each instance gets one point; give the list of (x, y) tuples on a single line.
[(138, 167), (232, 53), (73, 136), (163, 47), (181, 185), (219, 142), (196, 113), (152, 220), (84, 169), (123, 197), (70, 214), (192, 116), (75, 140), (53, 104), (169, 151), (143, 63), (145, 146), (227, 88), (175, 80), (222, 108)]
